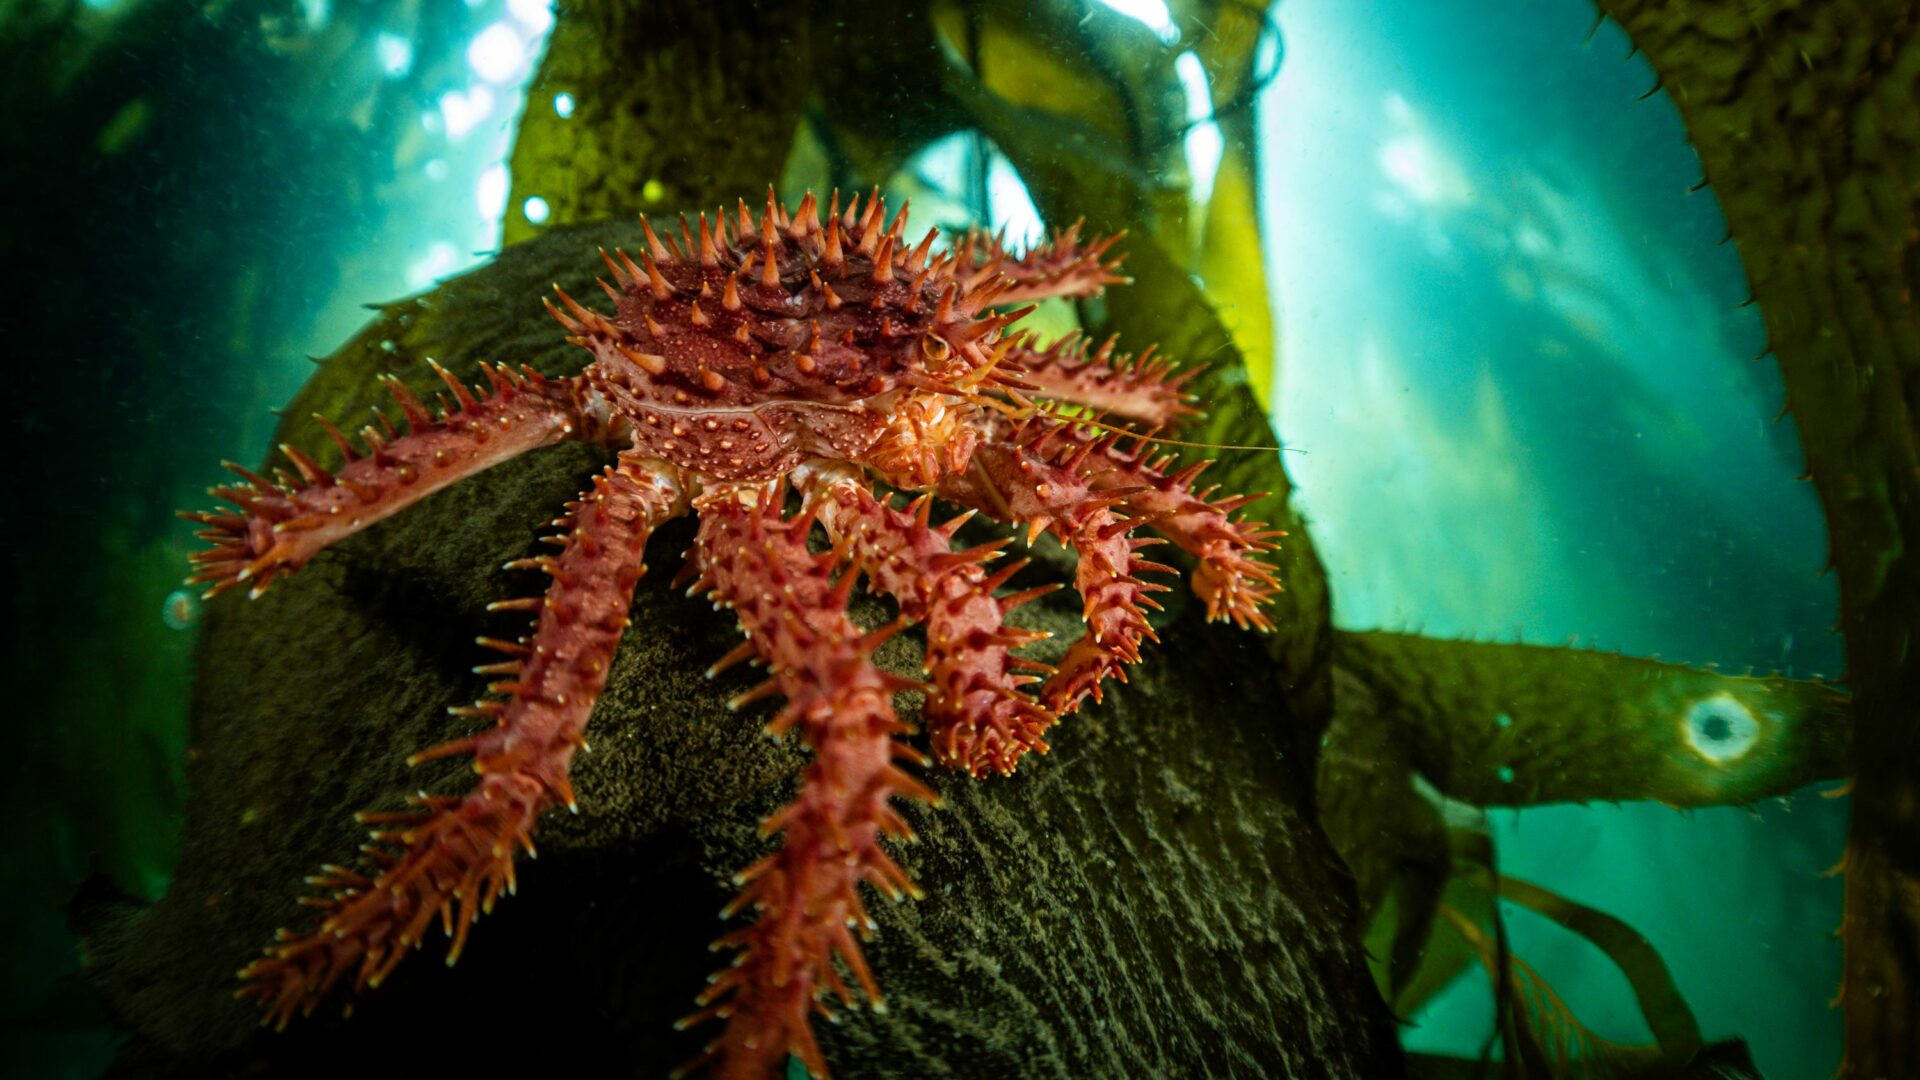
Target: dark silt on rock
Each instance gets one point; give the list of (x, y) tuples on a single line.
[(1150, 899)]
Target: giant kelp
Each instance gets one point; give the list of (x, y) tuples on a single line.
[(1804, 118), (1427, 734)]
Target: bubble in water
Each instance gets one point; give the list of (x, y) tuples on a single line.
[(181, 609)]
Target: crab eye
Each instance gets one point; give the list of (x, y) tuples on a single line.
[(935, 349)]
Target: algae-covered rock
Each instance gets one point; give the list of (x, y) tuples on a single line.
[(1152, 898)]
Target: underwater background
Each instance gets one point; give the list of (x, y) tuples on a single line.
[(1511, 361)]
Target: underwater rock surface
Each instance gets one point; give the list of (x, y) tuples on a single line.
[(1153, 898)]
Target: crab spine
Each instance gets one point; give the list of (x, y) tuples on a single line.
[(1059, 267), (979, 716), (1146, 388), (280, 524), (806, 894), (1231, 579)]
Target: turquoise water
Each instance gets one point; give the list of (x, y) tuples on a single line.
[(1515, 362), (201, 197), (1512, 360)]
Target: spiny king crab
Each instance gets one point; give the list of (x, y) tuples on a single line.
[(817, 354)]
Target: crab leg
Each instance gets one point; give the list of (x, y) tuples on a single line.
[(1015, 483), (457, 851), (1058, 268), (280, 525), (1230, 578), (807, 893), (1144, 388), (979, 716)]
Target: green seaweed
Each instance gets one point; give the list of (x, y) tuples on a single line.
[(1522, 725), (1423, 727), (1538, 1033), (664, 122)]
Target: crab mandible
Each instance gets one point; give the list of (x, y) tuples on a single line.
[(821, 354)]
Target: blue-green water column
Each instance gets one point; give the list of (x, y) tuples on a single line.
[(1515, 360)]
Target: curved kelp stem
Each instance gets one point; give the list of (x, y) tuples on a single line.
[(1540, 1035), (1425, 731), (1522, 725)]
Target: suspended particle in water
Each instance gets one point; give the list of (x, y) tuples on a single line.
[(180, 610)]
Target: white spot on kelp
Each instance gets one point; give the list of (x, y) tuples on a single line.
[(1721, 729)]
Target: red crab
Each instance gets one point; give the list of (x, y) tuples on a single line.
[(824, 355)]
